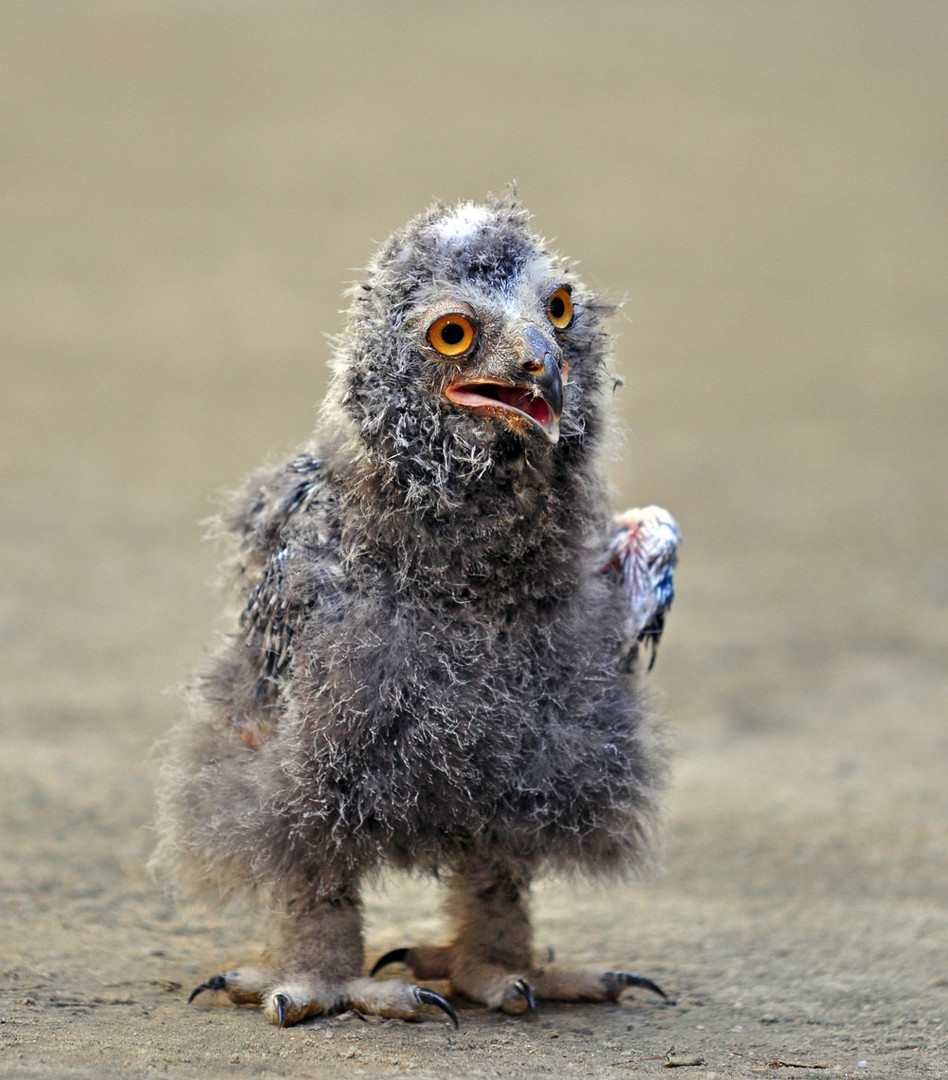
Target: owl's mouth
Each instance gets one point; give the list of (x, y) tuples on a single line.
[(513, 403)]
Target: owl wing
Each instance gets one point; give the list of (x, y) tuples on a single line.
[(642, 553), (287, 570)]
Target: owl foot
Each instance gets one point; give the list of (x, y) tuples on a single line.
[(491, 985), (291, 1000), (297, 1000), (512, 992)]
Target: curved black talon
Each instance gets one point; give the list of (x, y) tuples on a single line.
[(396, 956), (524, 989), (620, 980), (424, 996), (280, 1001), (215, 982)]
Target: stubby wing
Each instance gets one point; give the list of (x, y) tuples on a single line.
[(642, 553), (287, 567), (292, 529)]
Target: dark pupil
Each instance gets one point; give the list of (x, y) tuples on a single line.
[(452, 334), (557, 307)]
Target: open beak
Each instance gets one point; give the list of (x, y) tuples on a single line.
[(531, 401)]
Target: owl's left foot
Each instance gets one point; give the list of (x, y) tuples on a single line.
[(516, 992)]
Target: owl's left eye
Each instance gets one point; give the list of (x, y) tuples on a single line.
[(451, 335), (559, 308)]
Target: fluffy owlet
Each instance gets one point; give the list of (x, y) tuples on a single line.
[(434, 663)]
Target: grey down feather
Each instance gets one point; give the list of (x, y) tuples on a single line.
[(434, 652)]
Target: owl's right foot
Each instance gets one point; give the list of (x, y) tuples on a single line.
[(289, 1000)]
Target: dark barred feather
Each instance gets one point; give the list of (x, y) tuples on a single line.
[(273, 615)]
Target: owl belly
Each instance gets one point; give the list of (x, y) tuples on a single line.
[(530, 734)]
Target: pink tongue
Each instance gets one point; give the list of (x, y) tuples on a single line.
[(534, 407)]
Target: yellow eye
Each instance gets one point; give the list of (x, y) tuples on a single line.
[(559, 308), (451, 335)]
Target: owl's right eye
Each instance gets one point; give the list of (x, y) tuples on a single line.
[(452, 335)]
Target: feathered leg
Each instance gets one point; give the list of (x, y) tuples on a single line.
[(319, 969), (491, 958), (493, 941)]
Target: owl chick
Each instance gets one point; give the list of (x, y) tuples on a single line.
[(434, 666)]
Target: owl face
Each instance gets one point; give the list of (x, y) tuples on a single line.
[(500, 354), (469, 333)]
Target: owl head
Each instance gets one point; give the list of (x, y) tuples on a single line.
[(469, 345)]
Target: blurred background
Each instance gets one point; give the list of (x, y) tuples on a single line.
[(187, 188)]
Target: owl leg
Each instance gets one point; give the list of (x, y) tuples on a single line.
[(318, 969), (492, 951)]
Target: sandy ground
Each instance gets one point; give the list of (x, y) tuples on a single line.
[(186, 187)]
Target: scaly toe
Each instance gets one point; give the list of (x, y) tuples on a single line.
[(424, 996), (244, 987), (289, 1004), (617, 981), (425, 961), (395, 956), (280, 1004), (523, 988), (215, 982)]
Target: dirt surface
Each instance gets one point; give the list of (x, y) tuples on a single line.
[(185, 189)]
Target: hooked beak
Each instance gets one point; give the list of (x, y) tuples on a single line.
[(532, 400)]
